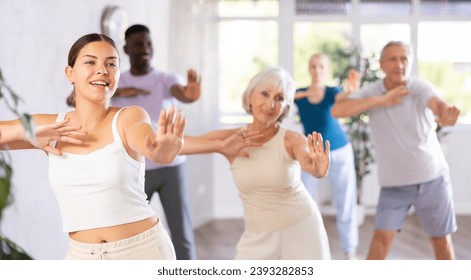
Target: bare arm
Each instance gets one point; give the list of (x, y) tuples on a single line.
[(130, 91), (228, 142), (446, 115), (210, 142), (310, 152), (160, 146), (348, 107), (191, 92), (12, 134)]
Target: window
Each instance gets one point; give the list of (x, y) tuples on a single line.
[(447, 61), (247, 44), (245, 48), (250, 32), (315, 37), (395, 8), (323, 7), (248, 8), (444, 8), (373, 37)]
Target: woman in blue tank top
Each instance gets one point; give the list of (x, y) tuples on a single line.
[(314, 104)]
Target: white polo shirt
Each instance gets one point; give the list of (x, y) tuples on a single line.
[(406, 146)]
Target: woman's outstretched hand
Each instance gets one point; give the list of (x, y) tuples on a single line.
[(353, 81), (233, 145), (318, 156), (58, 131), (169, 140)]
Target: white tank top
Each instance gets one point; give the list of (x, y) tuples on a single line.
[(100, 189)]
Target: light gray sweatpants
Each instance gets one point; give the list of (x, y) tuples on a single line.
[(152, 244)]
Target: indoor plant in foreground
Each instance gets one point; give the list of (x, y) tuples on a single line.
[(8, 249)]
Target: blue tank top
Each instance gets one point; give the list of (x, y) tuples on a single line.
[(317, 117)]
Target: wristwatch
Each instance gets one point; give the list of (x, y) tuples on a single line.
[(114, 22)]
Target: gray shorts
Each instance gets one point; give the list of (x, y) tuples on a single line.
[(432, 201)]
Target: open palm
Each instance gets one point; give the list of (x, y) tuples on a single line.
[(169, 140), (318, 157)]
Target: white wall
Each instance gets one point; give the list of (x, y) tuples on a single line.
[(193, 44), (456, 147)]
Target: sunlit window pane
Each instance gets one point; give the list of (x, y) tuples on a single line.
[(374, 36), (445, 8), (323, 7), (245, 48), (385, 7), (314, 37), (248, 8), (447, 62)]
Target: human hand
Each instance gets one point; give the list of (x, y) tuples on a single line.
[(318, 157), (353, 81), (393, 97), (193, 88), (59, 131), (233, 145), (169, 140), (449, 116)]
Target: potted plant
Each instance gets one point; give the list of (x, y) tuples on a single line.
[(357, 126), (343, 60), (8, 249)]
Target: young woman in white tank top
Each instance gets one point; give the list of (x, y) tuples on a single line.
[(97, 160)]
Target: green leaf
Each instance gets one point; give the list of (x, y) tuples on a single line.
[(4, 193), (10, 251)]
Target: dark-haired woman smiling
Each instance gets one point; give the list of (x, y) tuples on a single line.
[(96, 160)]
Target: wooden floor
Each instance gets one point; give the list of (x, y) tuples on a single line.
[(217, 239)]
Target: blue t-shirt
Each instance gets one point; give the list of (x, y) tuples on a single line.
[(317, 117)]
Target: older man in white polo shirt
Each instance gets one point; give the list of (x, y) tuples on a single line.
[(411, 167)]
